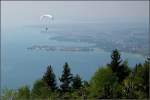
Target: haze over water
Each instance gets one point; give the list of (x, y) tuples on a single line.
[(21, 29)]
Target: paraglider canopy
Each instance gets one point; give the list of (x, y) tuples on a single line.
[(46, 16), (46, 20)]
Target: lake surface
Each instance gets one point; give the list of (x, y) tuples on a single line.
[(22, 67)]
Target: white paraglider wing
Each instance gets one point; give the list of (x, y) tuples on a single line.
[(47, 17), (46, 20)]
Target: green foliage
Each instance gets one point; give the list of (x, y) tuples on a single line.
[(77, 82), (123, 71), (23, 93), (40, 90), (66, 79), (129, 87), (8, 94), (136, 85), (85, 84), (103, 83), (49, 79), (120, 69), (115, 61), (141, 77), (145, 76), (114, 81), (54, 96)]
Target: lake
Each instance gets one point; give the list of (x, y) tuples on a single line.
[(22, 67)]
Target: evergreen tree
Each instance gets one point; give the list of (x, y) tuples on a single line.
[(49, 79), (66, 78), (142, 73), (120, 69), (77, 83), (115, 61), (123, 71), (145, 76)]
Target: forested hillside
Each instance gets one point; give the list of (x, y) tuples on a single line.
[(115, 80)]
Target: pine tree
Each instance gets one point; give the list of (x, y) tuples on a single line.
[(116, 60), (123, 71), (66, 78), (120, 69), (49, 79), (77, 82)]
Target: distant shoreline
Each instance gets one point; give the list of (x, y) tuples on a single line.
[(73, 49)]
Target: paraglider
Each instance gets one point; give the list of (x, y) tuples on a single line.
[(46, 20)]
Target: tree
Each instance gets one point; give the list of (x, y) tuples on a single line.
[(129, 87), (115, 61), (123, 71), (120, 69), (145, 76), (85, 84), (84, 89), (66, 78), (40, 90), (136, 85), (23, 93), (137, 66), (141, 77), (77, 82), (8, 94), (49, 79), (103, 84)]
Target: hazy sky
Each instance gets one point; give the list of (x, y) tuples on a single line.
[(29, 12)]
